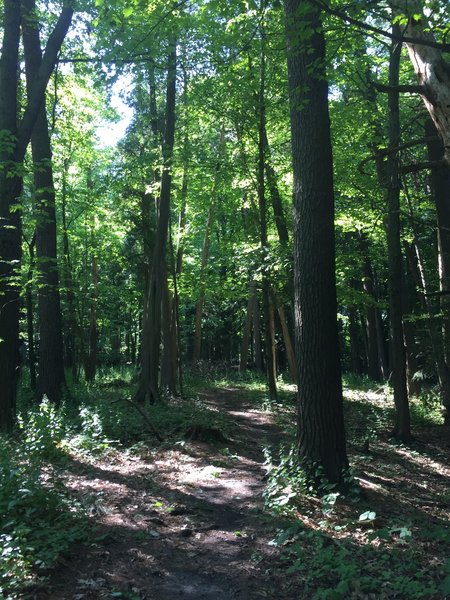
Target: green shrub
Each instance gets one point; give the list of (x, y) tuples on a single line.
[(37, 521)]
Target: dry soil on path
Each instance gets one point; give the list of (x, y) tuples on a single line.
[(183, 521)]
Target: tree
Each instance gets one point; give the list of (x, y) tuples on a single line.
[(51, 366), (321, 434)]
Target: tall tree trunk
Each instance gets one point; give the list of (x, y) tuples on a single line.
[(30, 315), (247, 331), (205, 250), (51, 366), (440, 182), (287, 341), (321, 432), (90, 365), (10, 186), (10, 233), (269, 328), (257, 344), (373, 363), (395, 273), (204, 264), (151, 334)]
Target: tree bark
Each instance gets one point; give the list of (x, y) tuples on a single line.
[(321, 433), (151, 334), (11, 156), (51, 366), (395, 271), (90, 365), (247, 331), (432, 71), (10, 233)]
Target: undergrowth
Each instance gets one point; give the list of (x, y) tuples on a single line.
[(336, 545)]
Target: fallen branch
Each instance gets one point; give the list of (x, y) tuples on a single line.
[(146, 419)]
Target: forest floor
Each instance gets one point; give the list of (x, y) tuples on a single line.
[(186, 519)]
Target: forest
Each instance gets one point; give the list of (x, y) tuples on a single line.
[(224, 299)]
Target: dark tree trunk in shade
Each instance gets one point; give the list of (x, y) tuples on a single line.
[(402, 428), (51, 366), (30, 314), (90, 364), (373, 363), (440, 182), (10, 187), (321, 433), (356, 362), (247, 329), (10, 233), (269, 329), (148, 386), (409, 332)]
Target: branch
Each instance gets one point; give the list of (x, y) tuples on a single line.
[(402, 89), (388, 151), (409, 40), (144, 416), (420, 166), (37, 94)]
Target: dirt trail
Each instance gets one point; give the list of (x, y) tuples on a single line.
[(180, 523)]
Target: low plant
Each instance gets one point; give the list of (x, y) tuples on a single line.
[(38, 522)]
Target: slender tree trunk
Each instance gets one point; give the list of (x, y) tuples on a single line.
[(321, 433), (247, 331), (269, 328), (442, 370), (90, 366), (356, 363), (287, 342), (395, 273), (30, 315), (440, 182), (51, 366), (204, 264), (205, 251), (257, 344), (373, 363)]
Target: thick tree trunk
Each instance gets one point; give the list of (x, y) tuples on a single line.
[(51, 366), (321, 433), (151, 333), (10, 188), (432, 71), (395, 273)]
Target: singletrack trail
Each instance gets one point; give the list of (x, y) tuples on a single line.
[(181, 522)]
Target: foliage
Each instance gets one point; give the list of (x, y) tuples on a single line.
[(38, 522), (336, 569)]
